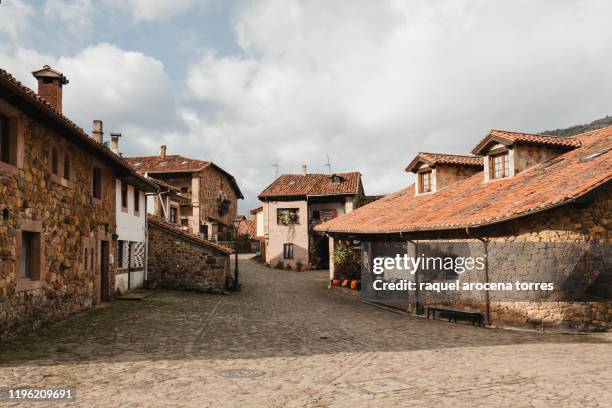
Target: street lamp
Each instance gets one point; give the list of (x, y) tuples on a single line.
[(236, 286)]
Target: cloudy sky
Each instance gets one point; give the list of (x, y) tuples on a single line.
[(250, 84)]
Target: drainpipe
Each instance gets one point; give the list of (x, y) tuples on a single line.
[(129, 266), (417, 301), (485, 244)]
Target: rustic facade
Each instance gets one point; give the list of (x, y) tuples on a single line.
[(180, 260), (293, 205), (57, 205), (210, 193), (544, 215)]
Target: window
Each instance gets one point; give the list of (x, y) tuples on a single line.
[(204, 231), (120, 253), (91, 259), (287, 216), (30, 255), (184, 189), (184, 222), (136, 200), (425, 182), (288, 251), (173, 215), (54, 161), (316, 215), (66, 167), (5, 143), (499, 166), (27, 252), (97, 183), (124, 196)]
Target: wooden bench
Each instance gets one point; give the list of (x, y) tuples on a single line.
[(451, 313)]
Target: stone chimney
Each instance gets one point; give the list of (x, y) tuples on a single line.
[(162, 151), (304, 169), (115, 142), (50, 84), (98, 131)]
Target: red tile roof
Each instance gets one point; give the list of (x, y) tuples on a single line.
[(433, 159), (472, 203), (168, 164), (510, 138), (247, 227), (256, 209), (299, 185), (173, 229), (31, 101), (177, 164)]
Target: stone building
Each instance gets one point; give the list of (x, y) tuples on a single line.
[(538, 211), (212, 193), (293, 205), (57, 206), (167, 202)]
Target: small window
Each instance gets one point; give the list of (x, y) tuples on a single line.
[(173, 215), (54, 161), (184, 189), (136, 200), (124, 196), (288, 251), (287, 216), (316, 215), (85, 259), (204, 231), (5, 142), (425, 182), (67, 167), (184, 222), (97, 183), (30, 256), (499, 166), (91, 259), (120, 253)]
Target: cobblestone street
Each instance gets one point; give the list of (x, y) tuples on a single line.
[(310, 347)]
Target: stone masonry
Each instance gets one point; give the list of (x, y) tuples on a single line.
[(180, 260), (68, 219)]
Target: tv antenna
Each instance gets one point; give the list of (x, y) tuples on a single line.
[(276, 170), (328, 164)]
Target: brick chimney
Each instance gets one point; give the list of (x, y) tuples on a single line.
[(98, 131), (115, 142), (304, 169), (50, 84), (162, 151)]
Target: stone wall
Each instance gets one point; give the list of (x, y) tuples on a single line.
[(569, 246), (68, 218), (214, 184), (179, 260), (447, 175), (526, 156)]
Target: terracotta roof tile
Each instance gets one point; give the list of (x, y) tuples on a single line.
[(256, 209), (433, 159), (171, 228), (177, 164), (299, 185), (471, 203), (168, 164), (528, 138), (247, 227)]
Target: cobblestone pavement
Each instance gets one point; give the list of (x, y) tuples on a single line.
[(312, 347)]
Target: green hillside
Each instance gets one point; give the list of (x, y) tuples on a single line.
[(574, 130)]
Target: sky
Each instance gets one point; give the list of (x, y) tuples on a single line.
[(250, 84)]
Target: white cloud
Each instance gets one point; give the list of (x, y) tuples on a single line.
[(74, 15), (372, 83), (155, 10), (129, 91), (14, 18)]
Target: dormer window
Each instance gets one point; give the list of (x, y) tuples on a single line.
[(336, 179), (499, 166), (425, 182)]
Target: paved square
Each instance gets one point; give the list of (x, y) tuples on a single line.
[(293, 343)]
